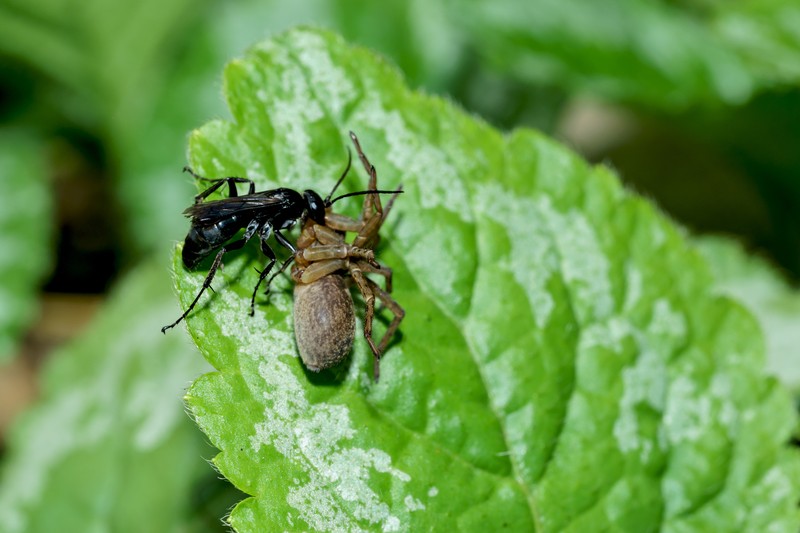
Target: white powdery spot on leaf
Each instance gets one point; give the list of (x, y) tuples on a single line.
[(320, 509), (674, 495), (429, 169), (644, 383), (413, 504), (392, 524), (232, 314), (438, 188), (584, 266), (777, 484), (688, 412), (329, 81), (337, 494), (722, 391), (647, 381), (519, 427), (608, 334), (633, 286), (291, 108), (532, 259), (428, 249), (667, 322)]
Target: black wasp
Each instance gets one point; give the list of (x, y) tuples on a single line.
[(264, 213)]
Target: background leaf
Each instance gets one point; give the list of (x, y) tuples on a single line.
[(661, 54), (105, 59), (24, 235), (754, 282), (564, 362), (108, 446)]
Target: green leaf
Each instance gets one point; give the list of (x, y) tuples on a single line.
[(755, 283), (663, 54), (108, 445), (564, 363), (25, 232)]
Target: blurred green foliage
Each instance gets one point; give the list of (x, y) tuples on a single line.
[(25, 235), (108, 440), (102, 95)]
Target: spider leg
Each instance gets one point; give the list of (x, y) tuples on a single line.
[(372, 200), (398, 312), (369, 302)]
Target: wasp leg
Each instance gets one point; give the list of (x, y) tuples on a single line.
[(266, 250), (207, 283), (270, 253), (283, 241), (232, 192), (279, 272)]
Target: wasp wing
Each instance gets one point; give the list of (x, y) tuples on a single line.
[(216, 210)]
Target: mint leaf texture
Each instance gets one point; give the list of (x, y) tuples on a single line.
[(563, 364)]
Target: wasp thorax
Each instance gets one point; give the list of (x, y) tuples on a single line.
[(324, 322)]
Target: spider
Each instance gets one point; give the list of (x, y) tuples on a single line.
[(324, 268)]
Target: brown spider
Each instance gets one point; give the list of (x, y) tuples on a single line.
[(325, 266)]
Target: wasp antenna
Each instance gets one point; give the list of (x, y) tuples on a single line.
[(390, 203), (341, 178), (360, 193)]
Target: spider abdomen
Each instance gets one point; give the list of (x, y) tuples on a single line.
[(324, 321)]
